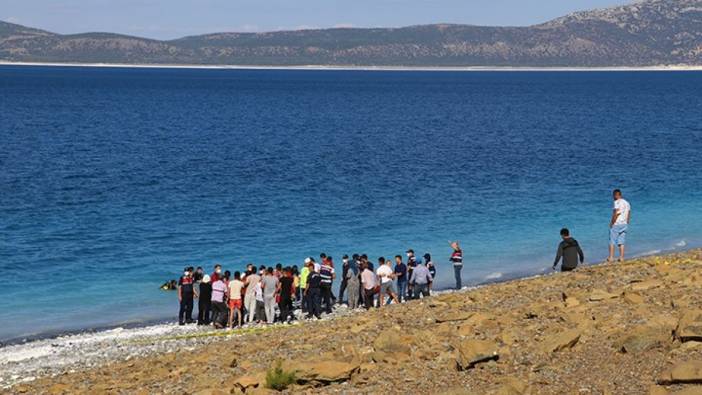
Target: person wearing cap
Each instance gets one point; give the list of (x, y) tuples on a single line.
[(186, 296), (411, 264), (457, 261), (421, 278), (304, 274), (204, 304)]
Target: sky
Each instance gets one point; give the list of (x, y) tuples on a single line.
[(168, 19)]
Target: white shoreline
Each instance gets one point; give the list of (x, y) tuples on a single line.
[(355, 68)]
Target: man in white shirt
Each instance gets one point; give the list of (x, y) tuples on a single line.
[(618, 225), (386, 275)]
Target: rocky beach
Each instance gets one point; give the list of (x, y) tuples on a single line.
[(631, 328)]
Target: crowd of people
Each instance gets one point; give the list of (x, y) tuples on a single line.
[(271, 294)]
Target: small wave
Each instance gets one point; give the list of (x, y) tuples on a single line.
[(652, 252), (494, 276), (681, 244)]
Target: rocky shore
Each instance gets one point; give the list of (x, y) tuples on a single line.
[(632, 328)]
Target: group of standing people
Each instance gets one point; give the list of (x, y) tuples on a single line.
[(254, 295)]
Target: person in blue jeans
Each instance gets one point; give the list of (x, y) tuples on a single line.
[(618, 225), (401, 275), (457, 261)]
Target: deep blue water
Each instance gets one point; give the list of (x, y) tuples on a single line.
[(113, 180)]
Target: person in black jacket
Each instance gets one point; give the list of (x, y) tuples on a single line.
[(569, 250)]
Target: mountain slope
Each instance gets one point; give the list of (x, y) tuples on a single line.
[(652, 32)]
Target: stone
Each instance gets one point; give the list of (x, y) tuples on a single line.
[(252, 381), (600, 295), (323, 372), (392, 343), (211, 391), (561, 341), (454, 316), (513, 386), (683, 373), (690, 326), (645, 285), (458, 390), (656, 390), (633, 298), (642, 339), (472, 352), (59, 388)]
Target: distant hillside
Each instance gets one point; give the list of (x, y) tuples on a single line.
[(653, 32)]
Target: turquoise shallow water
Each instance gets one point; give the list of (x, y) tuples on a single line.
[(112, 180)]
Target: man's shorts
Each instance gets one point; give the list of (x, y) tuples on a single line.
[(235, 304), (387, 287), (617, 235)]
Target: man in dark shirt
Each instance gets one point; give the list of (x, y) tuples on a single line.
[(569, 250), (401, 275), (326, 271), (186, 295), (285, 290), (313, 293)]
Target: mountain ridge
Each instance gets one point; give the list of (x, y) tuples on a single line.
[(643, 33)]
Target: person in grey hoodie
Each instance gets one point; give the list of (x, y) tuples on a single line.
[(569, 251), (353, 286)]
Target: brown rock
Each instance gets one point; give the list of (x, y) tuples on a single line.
[(454, 316), (600, 295), (645, 285), (642, 339), (458, 390), (323, 372), (561, 341), (683, 373), (656, 390), (690, 326), (212, 391), (472, 352), (391, 343), (513, 386), (633, 297), (246, 382), (59, 388)]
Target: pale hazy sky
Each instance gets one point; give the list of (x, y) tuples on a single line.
[(166, 19)]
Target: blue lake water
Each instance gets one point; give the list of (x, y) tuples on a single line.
[(112, 180)]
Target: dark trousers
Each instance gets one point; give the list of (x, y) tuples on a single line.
[(314, 298), (220, 313), (368, 298), (327, 298), (203, 311), (342, 289), (305, 301), (186, 308), (457, 273), (402, 289), (422, 289), (285, 307)]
